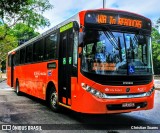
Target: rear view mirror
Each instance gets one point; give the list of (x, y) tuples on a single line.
[(81, 38), (141, 40)]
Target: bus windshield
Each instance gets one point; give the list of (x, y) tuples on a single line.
[(107, 52)]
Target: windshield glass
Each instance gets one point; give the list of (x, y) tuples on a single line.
[(116, 53)]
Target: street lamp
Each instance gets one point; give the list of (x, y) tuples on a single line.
[(104, 3)]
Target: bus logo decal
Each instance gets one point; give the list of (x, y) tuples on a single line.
[(127, 89), (49, 73)]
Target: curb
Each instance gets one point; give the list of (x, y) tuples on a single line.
[(2, 80)]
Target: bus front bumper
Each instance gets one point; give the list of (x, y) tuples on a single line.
[(91, 104)]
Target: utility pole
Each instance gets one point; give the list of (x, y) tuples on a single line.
[(104, 3)]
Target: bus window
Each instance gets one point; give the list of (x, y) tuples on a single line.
[(9, 60), (38, 51), (51, 47), (29, 53), (75, 52), (17, 58), (22, 55)]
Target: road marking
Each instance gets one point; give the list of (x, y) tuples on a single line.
[(7, 89)]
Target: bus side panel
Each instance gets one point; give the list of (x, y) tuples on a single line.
[(41, 77), (77, 91), (9, 75), (34, 81), (28, 76), (74, 90), (51, 75), (20, 76)]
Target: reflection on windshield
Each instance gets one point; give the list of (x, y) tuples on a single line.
[(118, 53)]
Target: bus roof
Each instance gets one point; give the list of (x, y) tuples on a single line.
[(73, 18), (122, 11)]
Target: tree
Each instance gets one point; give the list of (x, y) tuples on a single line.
[(156, 49), (12, 6), (6, 44), (27, 11), (18, 34), (23, 32), (157, 24), (12, 12)]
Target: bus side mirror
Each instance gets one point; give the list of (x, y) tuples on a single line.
[(81, 39), (141, 39)]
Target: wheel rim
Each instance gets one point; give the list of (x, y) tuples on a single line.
[(54, 99)]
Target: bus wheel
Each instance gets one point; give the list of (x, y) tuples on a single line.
[(53, 100), (17, 89)]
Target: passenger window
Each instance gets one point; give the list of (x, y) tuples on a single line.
[(22, 55), (38, 51), (51, 47), (75, 49), (17, 58), (29, 53)]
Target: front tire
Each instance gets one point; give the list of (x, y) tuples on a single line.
[(53, 100)]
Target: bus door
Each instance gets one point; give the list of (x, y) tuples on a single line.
[(65, 66)]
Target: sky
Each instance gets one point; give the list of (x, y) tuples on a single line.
[(64, 9)]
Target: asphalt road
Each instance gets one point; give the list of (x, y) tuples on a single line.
[(28, 110), (157, 83)]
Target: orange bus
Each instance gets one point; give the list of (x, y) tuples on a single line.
[(98, 61)]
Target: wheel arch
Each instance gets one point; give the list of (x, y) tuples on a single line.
[(49, 87)]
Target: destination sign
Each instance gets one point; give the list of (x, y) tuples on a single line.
[(102, 19), (128, 20)]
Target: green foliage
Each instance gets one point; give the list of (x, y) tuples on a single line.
[(6, 44), (12, 6), (23, 32), (156, 50), (30, 12), (26, 11), (3, 68), (25, 15), (20, 32)]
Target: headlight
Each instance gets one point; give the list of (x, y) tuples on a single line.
[(92, 91), (112, 96), (150, 91)]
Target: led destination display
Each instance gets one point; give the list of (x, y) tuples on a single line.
[(128, 20)]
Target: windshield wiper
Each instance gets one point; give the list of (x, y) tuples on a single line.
[(120, 49), (116, 44), (111, 37)]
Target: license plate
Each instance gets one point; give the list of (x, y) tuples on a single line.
[(124, 105)]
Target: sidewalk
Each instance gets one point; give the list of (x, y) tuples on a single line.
[(2, 77), (157, 84)]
